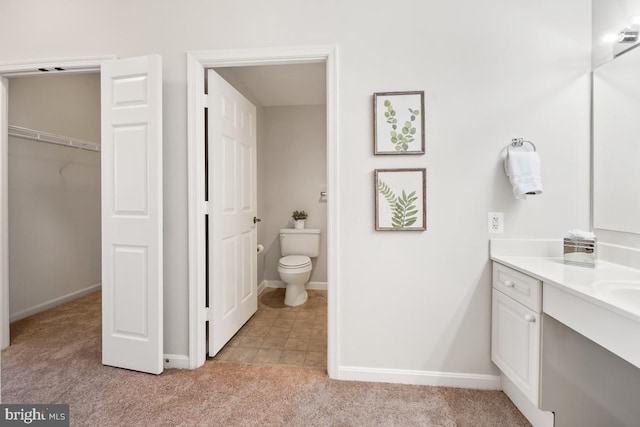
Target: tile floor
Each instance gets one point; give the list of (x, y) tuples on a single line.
[(282, 335)]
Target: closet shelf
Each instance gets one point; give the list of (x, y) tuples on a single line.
[(50, 138)]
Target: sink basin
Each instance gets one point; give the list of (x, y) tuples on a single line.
[(623, 292)]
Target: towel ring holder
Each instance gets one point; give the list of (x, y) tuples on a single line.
[(519, 142), (516, 144)]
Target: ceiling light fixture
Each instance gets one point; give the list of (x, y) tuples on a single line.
[(610, 38), (628, 35)]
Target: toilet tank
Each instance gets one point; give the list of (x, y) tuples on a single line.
[(300, 242)]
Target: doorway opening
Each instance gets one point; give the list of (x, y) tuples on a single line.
[(291, 158), (51, 190), (197, 63), (54, 190)]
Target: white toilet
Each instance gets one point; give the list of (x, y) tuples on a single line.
[(297, 248)]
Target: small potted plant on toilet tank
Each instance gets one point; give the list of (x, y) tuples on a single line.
[(298, 219)]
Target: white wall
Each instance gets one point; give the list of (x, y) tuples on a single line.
[(491, 70), (54, 192), (294, 165), (64, 104)]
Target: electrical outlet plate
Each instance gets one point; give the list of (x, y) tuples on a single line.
[(496, 222)]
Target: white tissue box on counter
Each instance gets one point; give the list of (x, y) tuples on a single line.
[(581, 251)]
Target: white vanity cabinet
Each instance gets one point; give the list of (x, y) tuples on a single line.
[(516, 329)]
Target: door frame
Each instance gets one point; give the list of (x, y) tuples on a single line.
[(20, 69), (197, 62)]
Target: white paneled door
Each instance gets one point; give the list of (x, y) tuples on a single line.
[(131, 92), (232, 235)]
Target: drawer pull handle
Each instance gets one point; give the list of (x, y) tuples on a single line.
[(529, 318), (509, 284)]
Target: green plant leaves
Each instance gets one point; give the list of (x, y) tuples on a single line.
[(403, 139), (404, 213), (387, 192), (296, 215)]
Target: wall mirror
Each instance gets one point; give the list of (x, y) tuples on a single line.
[(616, 144)]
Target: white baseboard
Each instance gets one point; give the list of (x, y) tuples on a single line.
[(261, 287), (318, 286), (175, 361), (274, 283), (52, 303), (406, 376)]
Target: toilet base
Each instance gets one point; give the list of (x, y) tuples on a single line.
[(295, 294)]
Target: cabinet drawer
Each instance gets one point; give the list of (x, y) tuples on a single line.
[(524, 289)]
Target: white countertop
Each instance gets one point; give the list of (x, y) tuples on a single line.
[(580, 281)]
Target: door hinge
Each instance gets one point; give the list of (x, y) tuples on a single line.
[(205, 100), (207, 313), (205, 208)]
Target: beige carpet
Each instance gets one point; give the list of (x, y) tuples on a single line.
[(55, 358)]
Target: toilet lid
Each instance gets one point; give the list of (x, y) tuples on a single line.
[(294, 261)]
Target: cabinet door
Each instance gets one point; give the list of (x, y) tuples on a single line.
[(515, 343)]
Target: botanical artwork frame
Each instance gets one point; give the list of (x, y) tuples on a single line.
[(400, 199), (398, 123)]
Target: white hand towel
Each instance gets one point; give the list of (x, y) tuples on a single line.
[(524, 173)]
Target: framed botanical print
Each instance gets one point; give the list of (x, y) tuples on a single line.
[(398, 120), (400, 199)]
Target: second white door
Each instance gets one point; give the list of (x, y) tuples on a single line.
[(232, 234), (132, 254)]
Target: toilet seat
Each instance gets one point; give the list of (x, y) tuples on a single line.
[(294, 262)]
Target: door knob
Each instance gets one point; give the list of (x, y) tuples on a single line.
[(529, 318), (509, 284), (256, 220)]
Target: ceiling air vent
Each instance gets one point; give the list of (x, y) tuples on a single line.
[(46, 70)]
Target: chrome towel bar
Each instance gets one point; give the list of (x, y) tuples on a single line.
[(519, 142)]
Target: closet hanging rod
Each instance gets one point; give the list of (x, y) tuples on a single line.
[(51, 138)]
